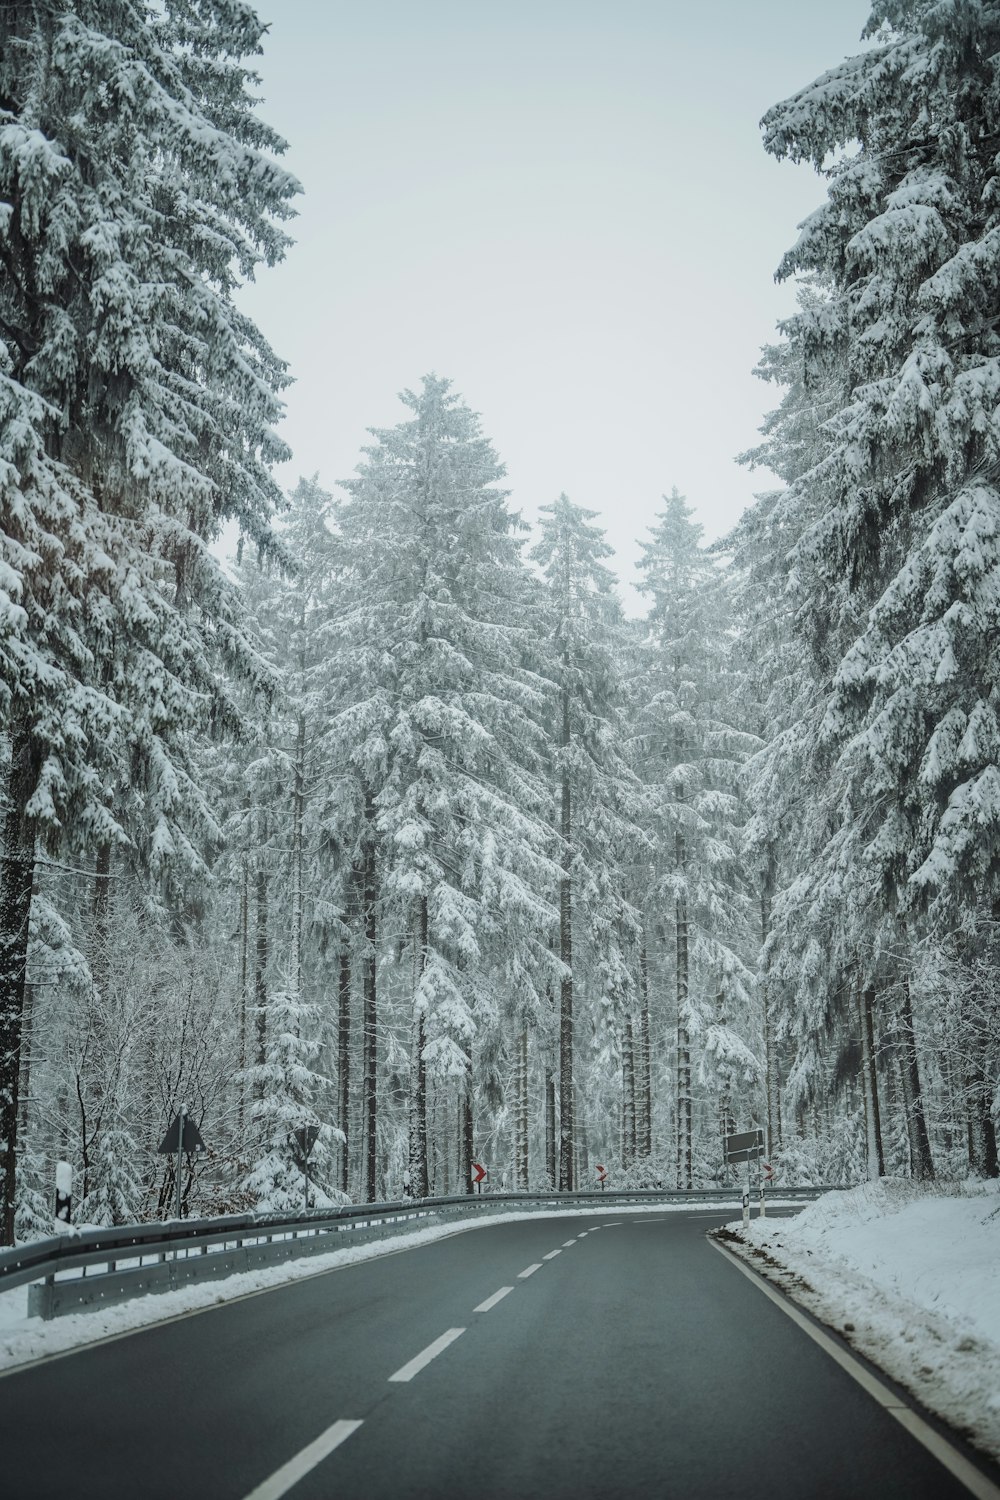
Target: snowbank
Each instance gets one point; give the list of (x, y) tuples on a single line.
[(910, 1276)]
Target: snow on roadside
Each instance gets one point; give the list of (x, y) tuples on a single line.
[(910, 1276), (24, 1340)]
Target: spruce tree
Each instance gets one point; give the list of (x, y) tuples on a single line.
[(438, 722), (909, 511), (136, 416), (692, 758), (596, 790)]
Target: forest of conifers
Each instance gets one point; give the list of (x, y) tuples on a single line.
[(394, 825)]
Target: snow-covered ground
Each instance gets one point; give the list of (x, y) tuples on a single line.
[(910, 1276), (23, 1339)]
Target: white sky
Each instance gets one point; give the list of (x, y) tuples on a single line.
[(563, 206)]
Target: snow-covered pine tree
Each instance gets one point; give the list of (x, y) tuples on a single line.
[(136, 412), (826, 954), (911, 514), (438, 720), (692, 755), (792, 800), (596, 790), (294, 787)]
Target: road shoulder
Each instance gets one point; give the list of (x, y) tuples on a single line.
[(954, 1394)]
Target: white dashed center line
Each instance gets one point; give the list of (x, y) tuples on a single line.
[(492, 1301), (552, 1255), (567, 1243), (415, 1365), (282, 1479), (530, 1271)]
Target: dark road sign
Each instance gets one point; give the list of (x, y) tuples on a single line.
[(305, 1139), (192, 1143), (745, 1147)]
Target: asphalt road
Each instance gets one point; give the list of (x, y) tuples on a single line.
[(634, 1361)]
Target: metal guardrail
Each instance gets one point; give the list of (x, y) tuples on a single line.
[(62, 1277)]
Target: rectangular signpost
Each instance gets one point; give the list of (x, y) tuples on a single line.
[(748, 1147)]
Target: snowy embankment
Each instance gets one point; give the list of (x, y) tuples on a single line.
[(24, 1339), (910, 1277)]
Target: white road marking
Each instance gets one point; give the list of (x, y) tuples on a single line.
[(415, 1365), (617, 1224), (521, 1275), (567, 1243), (552, 1255), (492, 1301), (282, 1479), (955, 1462)]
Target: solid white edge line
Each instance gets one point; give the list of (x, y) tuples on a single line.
[(415, 1365), (492, 1301), (552, 1255), (530, 1271), (281, 1481), (974, 1480)]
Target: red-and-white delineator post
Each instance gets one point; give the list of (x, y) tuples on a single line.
[(602, 1175), (478, 1174), (766, 1178)]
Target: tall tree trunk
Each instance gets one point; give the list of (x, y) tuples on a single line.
[(260, 975), (465, 1129), (344, 1060), (418, 1067), (101, 910), (550, 1126), (27, 1023), (582, 1141), (628, 1096), (17, 873), (521, 1153), (727, 1122), (244, 990), (566, 1182), (644, 1121), (772, 1079), (869, 1079), (370, 1005), (86, 1139), (921, 1159), (685, 1173), (298, 811)]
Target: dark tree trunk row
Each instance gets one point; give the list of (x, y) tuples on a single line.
[(369, 903), (17, 873)]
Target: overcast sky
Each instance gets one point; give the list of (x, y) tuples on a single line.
[(561, 205)]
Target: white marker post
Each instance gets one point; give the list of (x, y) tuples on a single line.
[(64, 1191), (748, 1146)]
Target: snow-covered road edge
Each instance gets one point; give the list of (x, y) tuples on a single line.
[(24, 1340), (946, 1366)]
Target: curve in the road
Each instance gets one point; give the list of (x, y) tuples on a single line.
[(492, 1364)]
